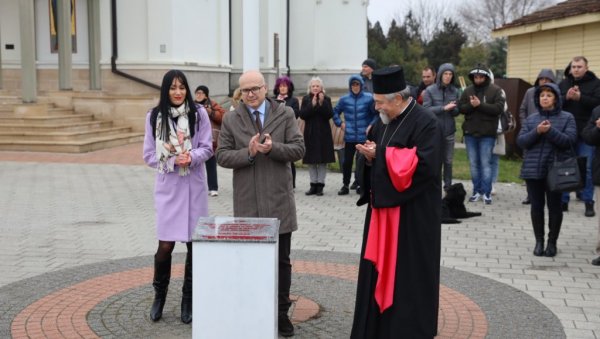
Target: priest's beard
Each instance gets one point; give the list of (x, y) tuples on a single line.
[(384, 117)]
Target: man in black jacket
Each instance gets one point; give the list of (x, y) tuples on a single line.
[(481, 103), (580, 91)]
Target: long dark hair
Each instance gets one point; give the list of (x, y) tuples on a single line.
[(164, 104)]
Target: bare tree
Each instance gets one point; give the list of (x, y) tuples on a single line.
[(480, 17), (428, 16)]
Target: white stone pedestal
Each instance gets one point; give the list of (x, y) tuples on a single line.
[(235, 278)]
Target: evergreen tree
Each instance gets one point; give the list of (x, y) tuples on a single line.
[(414, 62), (403, 46), (413, 27), (375, 34), (398, 35), (497, 56), (446, 44), (469, 57), (376, 41)]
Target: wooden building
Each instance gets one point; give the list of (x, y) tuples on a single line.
[(551, 37)]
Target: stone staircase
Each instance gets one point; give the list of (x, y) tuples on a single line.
[(44, 127)]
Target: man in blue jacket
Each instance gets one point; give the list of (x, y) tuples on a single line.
[(359, 115)]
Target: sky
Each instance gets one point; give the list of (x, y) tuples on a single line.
[(385, 10)]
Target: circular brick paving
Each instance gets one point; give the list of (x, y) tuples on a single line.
[(115, 304), (64, 312)]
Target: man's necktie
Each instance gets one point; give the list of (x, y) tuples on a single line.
[(258, 123)]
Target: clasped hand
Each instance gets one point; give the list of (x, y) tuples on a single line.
[(255, 146), (474, 100), (573, 93), (183, 159), (543, 127), (318, 98), (450, 106), (368, 149)]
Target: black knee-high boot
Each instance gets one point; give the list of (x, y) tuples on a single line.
[(186, 299), (162, 276), (538, 230), (554, 224)]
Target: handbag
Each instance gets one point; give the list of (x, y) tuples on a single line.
[(567, 175)]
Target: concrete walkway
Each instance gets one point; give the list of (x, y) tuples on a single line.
[(69, 221)]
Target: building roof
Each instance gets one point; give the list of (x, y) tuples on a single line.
[(561, 10)]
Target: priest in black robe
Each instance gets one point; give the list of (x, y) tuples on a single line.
[(399, 298)]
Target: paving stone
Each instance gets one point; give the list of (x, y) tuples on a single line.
[(110, 217)]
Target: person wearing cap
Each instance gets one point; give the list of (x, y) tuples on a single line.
[(528, 105), (368, 66), (399, 272), (359, 115), (481, 103), (215, 114)]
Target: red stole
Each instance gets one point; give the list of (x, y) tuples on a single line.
[(384, 227)]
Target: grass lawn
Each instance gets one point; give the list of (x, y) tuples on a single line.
[(509, 168), (508, 172)]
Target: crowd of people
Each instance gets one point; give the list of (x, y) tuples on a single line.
[(398, 139)]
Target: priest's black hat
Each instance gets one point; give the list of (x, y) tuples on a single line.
[(388, 80)]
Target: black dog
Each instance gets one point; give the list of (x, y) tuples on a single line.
[(446, 219), (453, 205)]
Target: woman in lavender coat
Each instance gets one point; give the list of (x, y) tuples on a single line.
[(178, 141)]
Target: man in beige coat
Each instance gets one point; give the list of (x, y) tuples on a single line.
[(258, 141)]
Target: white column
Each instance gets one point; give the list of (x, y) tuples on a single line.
[(94, 44), (251, 34), (65, 57), (28, 66)]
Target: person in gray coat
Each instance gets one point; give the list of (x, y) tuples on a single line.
[(259, 140), (528, 105), (441, 98)]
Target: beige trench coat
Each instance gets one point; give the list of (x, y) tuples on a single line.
[(263, 188)]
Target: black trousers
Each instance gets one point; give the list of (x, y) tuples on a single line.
[(285, 273), (539, 195), (293, 174), (211, 174), (349, 151)]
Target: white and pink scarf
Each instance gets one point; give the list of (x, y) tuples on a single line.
[(179, 139)]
